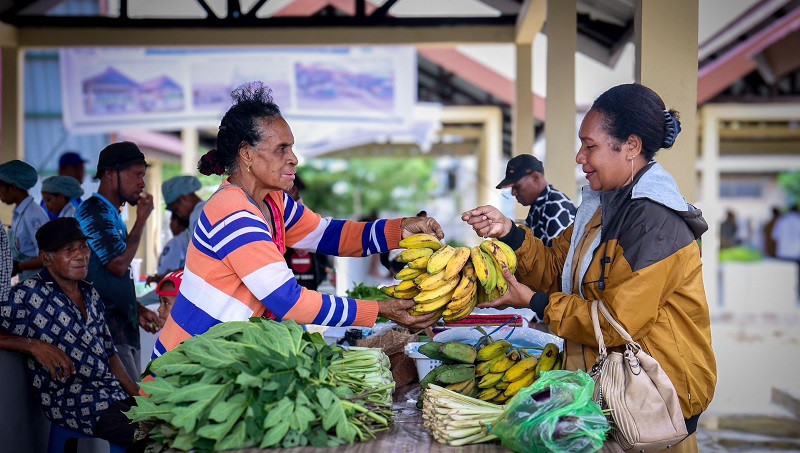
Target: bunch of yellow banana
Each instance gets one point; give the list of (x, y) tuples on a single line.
[(502, 371), (419, 249)]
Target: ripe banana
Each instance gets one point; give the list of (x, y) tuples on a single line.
[(405, 285), (521, 369), (480, 265), (438, 261), (504, 364), (407, 294), (408, 274), (457, 304), (495, 252), (461, 387), (465, 286), (430, 306), (421, 276), (431, 281), (409, 255), (483, 368), (469, 270), (489, 380), (420, 263), (491, 283), (502, 284), (388, 290), (519, 384), (493, 350), (421, 240), (429, 295), (547, 360), (488, 393), (511, 256), (458, 315), (457, 261)]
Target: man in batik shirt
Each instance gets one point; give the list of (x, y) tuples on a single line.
[(57, 318)]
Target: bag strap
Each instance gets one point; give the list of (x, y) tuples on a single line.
[(599, 305)]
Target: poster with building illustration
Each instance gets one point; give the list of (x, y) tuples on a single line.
[(108, 89)]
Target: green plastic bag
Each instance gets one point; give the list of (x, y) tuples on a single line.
[(556, 413)]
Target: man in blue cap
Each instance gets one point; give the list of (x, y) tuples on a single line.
[(16, 178), (121, 169)]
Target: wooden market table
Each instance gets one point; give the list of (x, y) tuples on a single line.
[(406, 436)]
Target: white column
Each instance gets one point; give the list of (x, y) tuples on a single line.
[(191, 141), (711, 205)]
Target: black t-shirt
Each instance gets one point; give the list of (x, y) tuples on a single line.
[(308, 269)]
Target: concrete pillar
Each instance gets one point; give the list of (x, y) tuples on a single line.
[(489, 168), (12, 144), (559, 130), (666, 61), (150, 247), (711, 205), (191, 142), (523, 127)]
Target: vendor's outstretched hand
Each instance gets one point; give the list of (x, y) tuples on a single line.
[(488, 221), (517, 296), (397, 311), (428, 225)]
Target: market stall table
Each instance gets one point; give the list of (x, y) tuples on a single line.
[(406, 436)]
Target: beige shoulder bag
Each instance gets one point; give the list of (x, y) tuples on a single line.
[(645, 412)]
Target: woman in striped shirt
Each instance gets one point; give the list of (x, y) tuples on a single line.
[(235, 267)]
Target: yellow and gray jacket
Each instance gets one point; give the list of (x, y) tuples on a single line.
[(645, 265)]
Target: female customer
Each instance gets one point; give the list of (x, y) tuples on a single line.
[(59, 194), (632, 245), (235, 267)]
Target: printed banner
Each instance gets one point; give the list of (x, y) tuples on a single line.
[(113, 89)]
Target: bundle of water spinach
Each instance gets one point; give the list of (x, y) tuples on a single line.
[(263, 384)]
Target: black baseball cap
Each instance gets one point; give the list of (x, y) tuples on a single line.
[(55, 233), (519, 166), (118, 156)]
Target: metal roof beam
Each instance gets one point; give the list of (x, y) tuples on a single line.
[(113, 36)]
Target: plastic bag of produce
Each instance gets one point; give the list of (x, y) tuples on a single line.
[(556, 413)]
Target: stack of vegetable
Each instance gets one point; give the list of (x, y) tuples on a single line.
[(457, 419), (264, 384)]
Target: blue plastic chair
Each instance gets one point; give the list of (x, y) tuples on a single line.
[(60, 435)]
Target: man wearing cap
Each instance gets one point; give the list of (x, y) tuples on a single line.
[(16, 178), (121, 169), (180, 198), (59, 194), (551, 211), (69, 164), (56, 317)]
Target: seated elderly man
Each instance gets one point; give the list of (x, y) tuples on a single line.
[(57, 318)]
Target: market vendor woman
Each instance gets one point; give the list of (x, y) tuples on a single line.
[(235, 267), (632, 245)]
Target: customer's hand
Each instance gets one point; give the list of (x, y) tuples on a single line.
[(55, 361), (517, 296), (397, 311), (488, 221), (414, 225), (144, 206), (149, 319)]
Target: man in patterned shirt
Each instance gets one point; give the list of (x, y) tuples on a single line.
[(56, 317), (551, 211)]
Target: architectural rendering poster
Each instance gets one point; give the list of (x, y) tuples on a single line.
[(112, 89)]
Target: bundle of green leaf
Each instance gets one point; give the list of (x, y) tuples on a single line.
[(365, 292), (263, 384)]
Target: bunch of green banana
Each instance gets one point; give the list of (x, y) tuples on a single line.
[(456, 419), (456, 372)]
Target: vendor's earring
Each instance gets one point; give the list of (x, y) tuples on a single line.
[(248, 169)]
